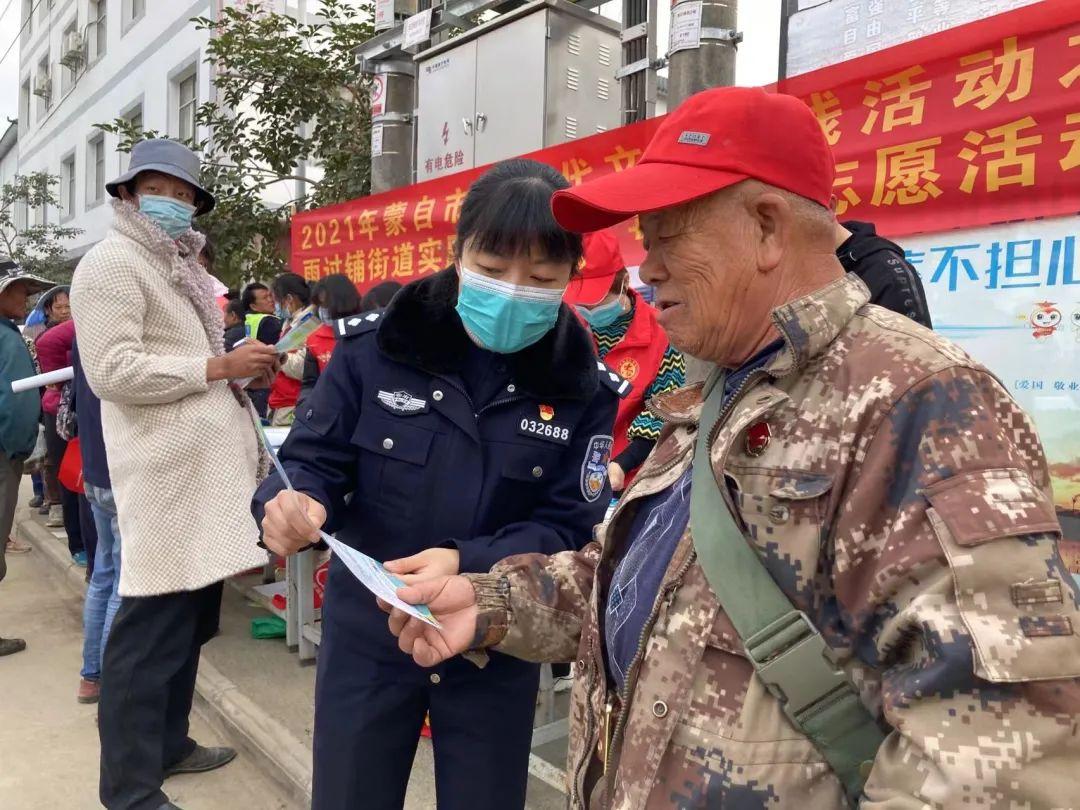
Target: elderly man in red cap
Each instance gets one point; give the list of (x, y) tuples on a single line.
[(836, 580), (629, 340)]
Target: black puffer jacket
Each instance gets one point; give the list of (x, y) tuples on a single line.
[(893, 282)]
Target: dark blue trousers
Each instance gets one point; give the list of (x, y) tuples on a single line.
[(368, 716)]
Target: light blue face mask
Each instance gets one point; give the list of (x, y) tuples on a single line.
[(281, 312), (325, 316), (604, 314), (503, 317), (173, 216)]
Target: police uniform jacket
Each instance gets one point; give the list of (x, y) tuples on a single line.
[(404, 457)]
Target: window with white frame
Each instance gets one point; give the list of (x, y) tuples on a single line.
[(132, 12), (24, 104), (97, 31), (67, 186), (21, 215), (43, 87), (133, 116), (67, 72), (95, 169), (186, 103)]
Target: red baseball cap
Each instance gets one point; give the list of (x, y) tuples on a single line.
[(603, 260), (715, 139)]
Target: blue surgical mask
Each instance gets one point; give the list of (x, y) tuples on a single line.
[(503, 317), (281, 312), (604, 314), (173, 216), (325, 316)]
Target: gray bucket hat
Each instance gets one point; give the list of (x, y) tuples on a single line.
[(167, 157), (11, 273)]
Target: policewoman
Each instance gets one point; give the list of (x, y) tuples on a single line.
[(468, 421)]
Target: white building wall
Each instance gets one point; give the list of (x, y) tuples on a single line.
[(9, 158), (142, 65), (9, 166)]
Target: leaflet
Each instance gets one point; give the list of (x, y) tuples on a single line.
[(298, 335), (370, 572), (377, 579), (292, 340)]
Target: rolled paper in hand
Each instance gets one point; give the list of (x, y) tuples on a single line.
[(61, 375)]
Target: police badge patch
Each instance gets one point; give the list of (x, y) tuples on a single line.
[(401, 402), (594, 467)]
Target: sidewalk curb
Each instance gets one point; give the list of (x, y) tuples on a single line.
[(282, 757)]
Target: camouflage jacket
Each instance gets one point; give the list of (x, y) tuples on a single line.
[(903, 503)]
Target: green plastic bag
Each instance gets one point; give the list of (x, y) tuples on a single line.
[(268, 627)]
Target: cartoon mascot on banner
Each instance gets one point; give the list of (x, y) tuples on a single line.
[(1045, 319)]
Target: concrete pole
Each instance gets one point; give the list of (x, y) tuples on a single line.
[(712, 64), (394, 167)]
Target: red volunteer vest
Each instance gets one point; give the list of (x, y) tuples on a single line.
[(637, 357), (321, 344), (285, 391)]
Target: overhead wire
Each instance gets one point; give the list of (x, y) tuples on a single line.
[(19, 33)]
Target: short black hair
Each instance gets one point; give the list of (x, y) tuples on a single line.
[(336, 294), (379, 296), (248, 294), (508, 212), (236, 307), (291, 284)]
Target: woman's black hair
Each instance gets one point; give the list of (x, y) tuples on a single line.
[(291, 284), (379, 296), (236, 307), (48, 298), (508, 212), (336, 294)]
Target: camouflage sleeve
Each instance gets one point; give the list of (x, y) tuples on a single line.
[(949, 583), (532, 606)]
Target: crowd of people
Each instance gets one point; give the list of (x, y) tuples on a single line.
[(824, 576)]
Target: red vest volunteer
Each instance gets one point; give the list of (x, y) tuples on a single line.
[(630, 341)]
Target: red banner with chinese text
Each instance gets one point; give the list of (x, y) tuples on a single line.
[(976, 125)]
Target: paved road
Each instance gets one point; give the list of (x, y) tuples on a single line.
[(48, 742)]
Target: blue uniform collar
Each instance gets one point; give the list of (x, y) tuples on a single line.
[(421, 328)]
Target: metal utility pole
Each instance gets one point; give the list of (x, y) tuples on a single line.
[(637, 76), (712, 63)]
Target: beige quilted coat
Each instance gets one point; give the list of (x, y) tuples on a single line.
[(183, 453)]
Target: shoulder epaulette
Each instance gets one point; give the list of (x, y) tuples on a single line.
[(357, 324), (620, 385)]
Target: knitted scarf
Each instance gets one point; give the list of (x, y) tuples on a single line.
[(187, 275)]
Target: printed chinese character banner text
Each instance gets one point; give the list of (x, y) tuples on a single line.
[(976, 125)]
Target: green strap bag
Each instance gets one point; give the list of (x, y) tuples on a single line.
[(787, 651)]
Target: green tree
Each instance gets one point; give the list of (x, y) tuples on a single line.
[(287, 94), (36, 248)]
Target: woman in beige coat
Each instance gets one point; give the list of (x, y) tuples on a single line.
[(183, 457)]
